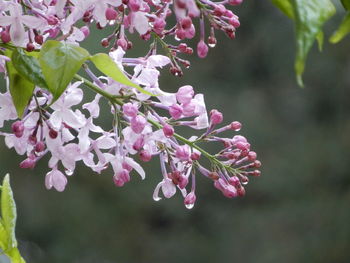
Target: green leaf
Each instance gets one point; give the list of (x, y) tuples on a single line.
[(108, 67), (342, 31), (310, 15), (3, 237), (346, 4), (8, 212), (59, 62), (15, 256), (320, 40), (20, 88), (285, 6), (28, 66)]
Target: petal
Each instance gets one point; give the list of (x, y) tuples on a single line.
[(156, 196), (71, 119), (168, 188), (140, 22), (32, 22), (48, 180), (74, 96), (136, 166), (157, 61), (59, 181), (17, 32), (56, 119)]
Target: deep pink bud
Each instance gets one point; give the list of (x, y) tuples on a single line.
[(190, 33), (39, 39), (175, 111), (219, 10), (185, 94), (130, 110), (241, 191), (85, 30), (32, 139), (235, 2), (28, 163), (40, 146), (234, 22), (186, 23), (216, 117), (111, 14), (138, 123), (168, 130), (182, 181), (189, 200), (117, 181), (182, 47), (121, 42), (202, 49), (180, 34), (134, 5), (183, 152), (105, 42), (234, 180), (230, 191), (30, 47), (18, 128), (195, 156), (257, 164), (139, 143), (124, 175), (145, 156), (53, 134), (236, 126), (126, 166), (159, 25), (252, 156), (52, 20), (5, 37)]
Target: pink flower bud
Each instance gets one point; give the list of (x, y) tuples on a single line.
[(130, 110), (202, 49), (230, 191), (186, 23), (121, 42), (139, 143), (175, 111), (52, 20), (182, 181), (18, 128), (134, 5), (195, 156), (138, 123), (168, 130), (219, 10), (234, 22), (5, 37), (235, 2), (40, 146), (180, 34), (117, 181), (39, 39), (188, 109), (190, 33), (234, 181), (145, 156), (252, 156), (182, 47), (189, 200), (85, 30), (111, 14), (185, 94), (216, 117), (124, 175), (53, 134), (236, 126), (28, 163), (183, 152), (159, 25)]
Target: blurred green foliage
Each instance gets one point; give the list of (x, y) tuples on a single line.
[(297, 211)]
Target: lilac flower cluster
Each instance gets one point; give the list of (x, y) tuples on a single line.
[(143, 125)]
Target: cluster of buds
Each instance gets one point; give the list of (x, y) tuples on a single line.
[(29, 23), (143, 126)]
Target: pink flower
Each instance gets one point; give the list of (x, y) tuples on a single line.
[(56, 179)]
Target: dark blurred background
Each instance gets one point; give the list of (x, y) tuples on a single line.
[(297, 211)]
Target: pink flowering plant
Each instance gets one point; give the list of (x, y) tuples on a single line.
[(43, 101)]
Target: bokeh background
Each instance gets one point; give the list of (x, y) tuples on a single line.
[(297, 211)]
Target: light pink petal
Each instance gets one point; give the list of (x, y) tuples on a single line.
[(106, 143), (156, 196), (72, 120), (99, 13), (48, 180), (168, 188), (157, 61), (59, 181), (6, 20), (84, 140), (136, 166), (17, 32), (32, 21), (140, 22), (74, 96), (56, 119)]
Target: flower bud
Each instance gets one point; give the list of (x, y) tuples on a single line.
[(175, 111), (40, 146), (39, 39), (53, 134), (18, 128), (28, 163), (85, 30), (216, 117), (185, 94), (130, 109), (189, 200), (145, 156), (236, 126), (138, 123), (168, 130), (183, 153), (5, 37), (202, 49), (186, 23), (111, 14)]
